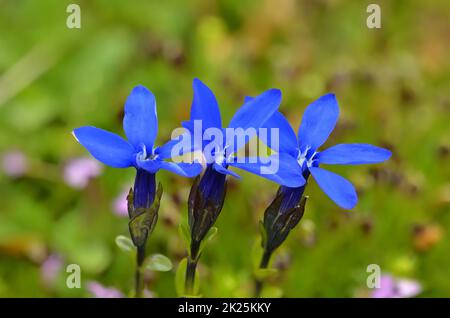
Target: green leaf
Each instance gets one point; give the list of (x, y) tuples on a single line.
[(212, 233), (265, 273), (180, 280), (256, 254), (125, 243), (158, 262), (180, 277), (183, 230), (144, 220)]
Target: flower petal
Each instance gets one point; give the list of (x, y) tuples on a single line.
[(221, 169), (255, 112), (179, 146), (318, 122), (286, 141), (204, 106), (282, 169), (247, 99), (150, 165), (353, 154), (140, 122), (339, 189), (105, 146), (183, 169)]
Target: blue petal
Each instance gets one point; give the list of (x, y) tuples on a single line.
[(251, 116), (144, 189), (150, 165), (183, 169), (189, 125), (255, 112), (287, 141), (106, 147), (179, 146), (340, 190), (248, 99), (282, 169), (140, 122), (204, 106), (353, 154), (221, 169), (319, 120)]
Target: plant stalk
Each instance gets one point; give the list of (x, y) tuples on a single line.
[(263, 264), (190, 275), (139, 278)]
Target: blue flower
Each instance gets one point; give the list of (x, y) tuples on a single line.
[(318, 122), (140, 124), (208, 193), (252, 115)]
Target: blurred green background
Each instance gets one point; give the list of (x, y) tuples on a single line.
[(392, 85)]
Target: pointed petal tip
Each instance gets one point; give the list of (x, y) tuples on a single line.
[(349, 205), (196, 82), (276, 92), (388, 154), (75, 136), (140, 87), (336, 187)]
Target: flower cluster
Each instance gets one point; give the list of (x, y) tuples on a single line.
[(293, 160)]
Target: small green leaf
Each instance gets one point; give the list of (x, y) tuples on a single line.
[(265, 273), (212, 233), (159, 263), (180, 280), (183, 230), (180, 277), (125, 243), (256, 254)]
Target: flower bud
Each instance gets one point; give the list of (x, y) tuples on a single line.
[(143, 207), (204, 205), (281, 216)]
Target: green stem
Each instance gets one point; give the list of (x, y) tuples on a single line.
[(263, 264), (191, 268), (139, 279), (190, 276)]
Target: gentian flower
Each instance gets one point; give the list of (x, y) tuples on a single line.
[(252, 115), (207, 194), (219, 153), (140, 124), (288, 206), (318, 122)]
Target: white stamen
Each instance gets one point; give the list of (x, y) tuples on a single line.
[(302, 157)]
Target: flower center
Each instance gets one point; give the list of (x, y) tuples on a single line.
[(143, 155), (220, 158), (305, 158)]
